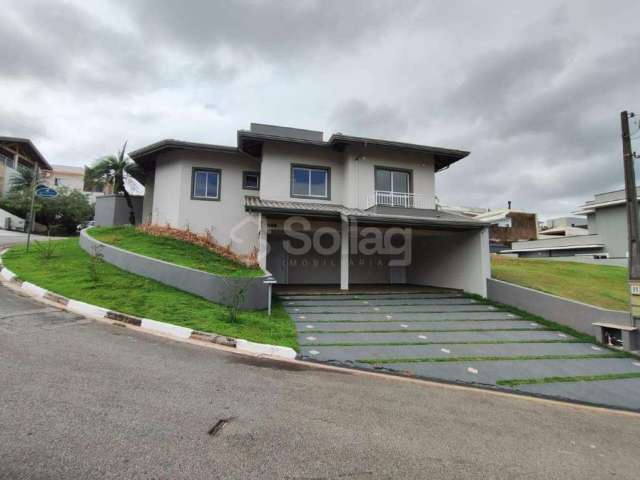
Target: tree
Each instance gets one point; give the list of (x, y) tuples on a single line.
[(60, 214), (23, 179), (113, 170)]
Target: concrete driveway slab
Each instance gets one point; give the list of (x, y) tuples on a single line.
[(489, 372), (383, 317), (619, 393), (400, 326), (448, 351), (474, 307), (379, 302), (430, 337), (369, 296)]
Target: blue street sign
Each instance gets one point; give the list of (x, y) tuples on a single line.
[(43, 191)]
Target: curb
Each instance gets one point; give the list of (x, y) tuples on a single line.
[(146, 324)]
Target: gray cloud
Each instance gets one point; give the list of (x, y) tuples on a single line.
[(359, 118), (534, 91)]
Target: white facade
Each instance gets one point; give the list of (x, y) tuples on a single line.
[(453, 254), (226, 219)]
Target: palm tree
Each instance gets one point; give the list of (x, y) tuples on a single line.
[(23, 179), (113, 170)]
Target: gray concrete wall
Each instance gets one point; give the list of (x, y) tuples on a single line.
[(113, 210), (147, 202), (451, 259), (612, 228), (215, 288), (576, 315)]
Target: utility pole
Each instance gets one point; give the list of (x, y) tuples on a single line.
[(632, 219), (33, 200)]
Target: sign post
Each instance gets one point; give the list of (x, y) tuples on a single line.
[(31, 208)]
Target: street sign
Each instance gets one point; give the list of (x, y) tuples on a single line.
[(43, 191)]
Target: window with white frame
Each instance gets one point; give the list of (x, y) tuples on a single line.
[(310, 182), (393, 187), (205, 184)]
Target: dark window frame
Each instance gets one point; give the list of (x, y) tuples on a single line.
[(392, 169), (244, 179), (193, 183), (310, 167)]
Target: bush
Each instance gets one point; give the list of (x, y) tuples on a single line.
[(61, 215)]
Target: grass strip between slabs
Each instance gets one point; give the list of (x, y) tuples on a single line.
[(409, 330), (581, 378)]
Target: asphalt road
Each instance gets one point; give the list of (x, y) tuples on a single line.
[(81, 399)]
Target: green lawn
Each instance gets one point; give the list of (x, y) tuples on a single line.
[(601, 285), (172, 250), (67, 273)]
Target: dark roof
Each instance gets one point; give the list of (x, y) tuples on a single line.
[(444, 156), (146, 154), (391, 215), (250, 142), (32, 151)]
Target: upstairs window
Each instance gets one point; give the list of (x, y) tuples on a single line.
[(251, 180), (205, 184), (393, 188), (310, 182)]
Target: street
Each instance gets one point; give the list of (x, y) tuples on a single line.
[(82, 399)]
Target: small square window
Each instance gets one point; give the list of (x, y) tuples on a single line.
[(205, 184), (251, 180)]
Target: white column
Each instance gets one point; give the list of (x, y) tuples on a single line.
[(344, 253), (263, 245)]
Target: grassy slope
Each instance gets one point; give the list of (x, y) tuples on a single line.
[(172, 250), (67, 273), (604, 286)]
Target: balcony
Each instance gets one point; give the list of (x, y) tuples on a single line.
[(397, 199)]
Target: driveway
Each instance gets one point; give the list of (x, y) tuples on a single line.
[(447, 336), (10, 237), (81, 399)]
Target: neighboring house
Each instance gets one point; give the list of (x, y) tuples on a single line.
[(349, 210), (14, 153), (561, 222), (606, 235), (508, 226), (562, 232), (73, 178), (459, 210)]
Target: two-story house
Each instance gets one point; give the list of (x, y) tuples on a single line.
[(15, 153), (345, 211)]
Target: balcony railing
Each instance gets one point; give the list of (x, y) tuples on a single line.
[(397, 199)]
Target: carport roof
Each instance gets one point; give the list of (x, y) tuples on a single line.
[(382, 215)]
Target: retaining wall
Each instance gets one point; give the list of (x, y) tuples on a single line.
[(570, 313), (216, 288)]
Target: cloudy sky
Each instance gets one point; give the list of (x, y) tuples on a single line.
[(533, 89)]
